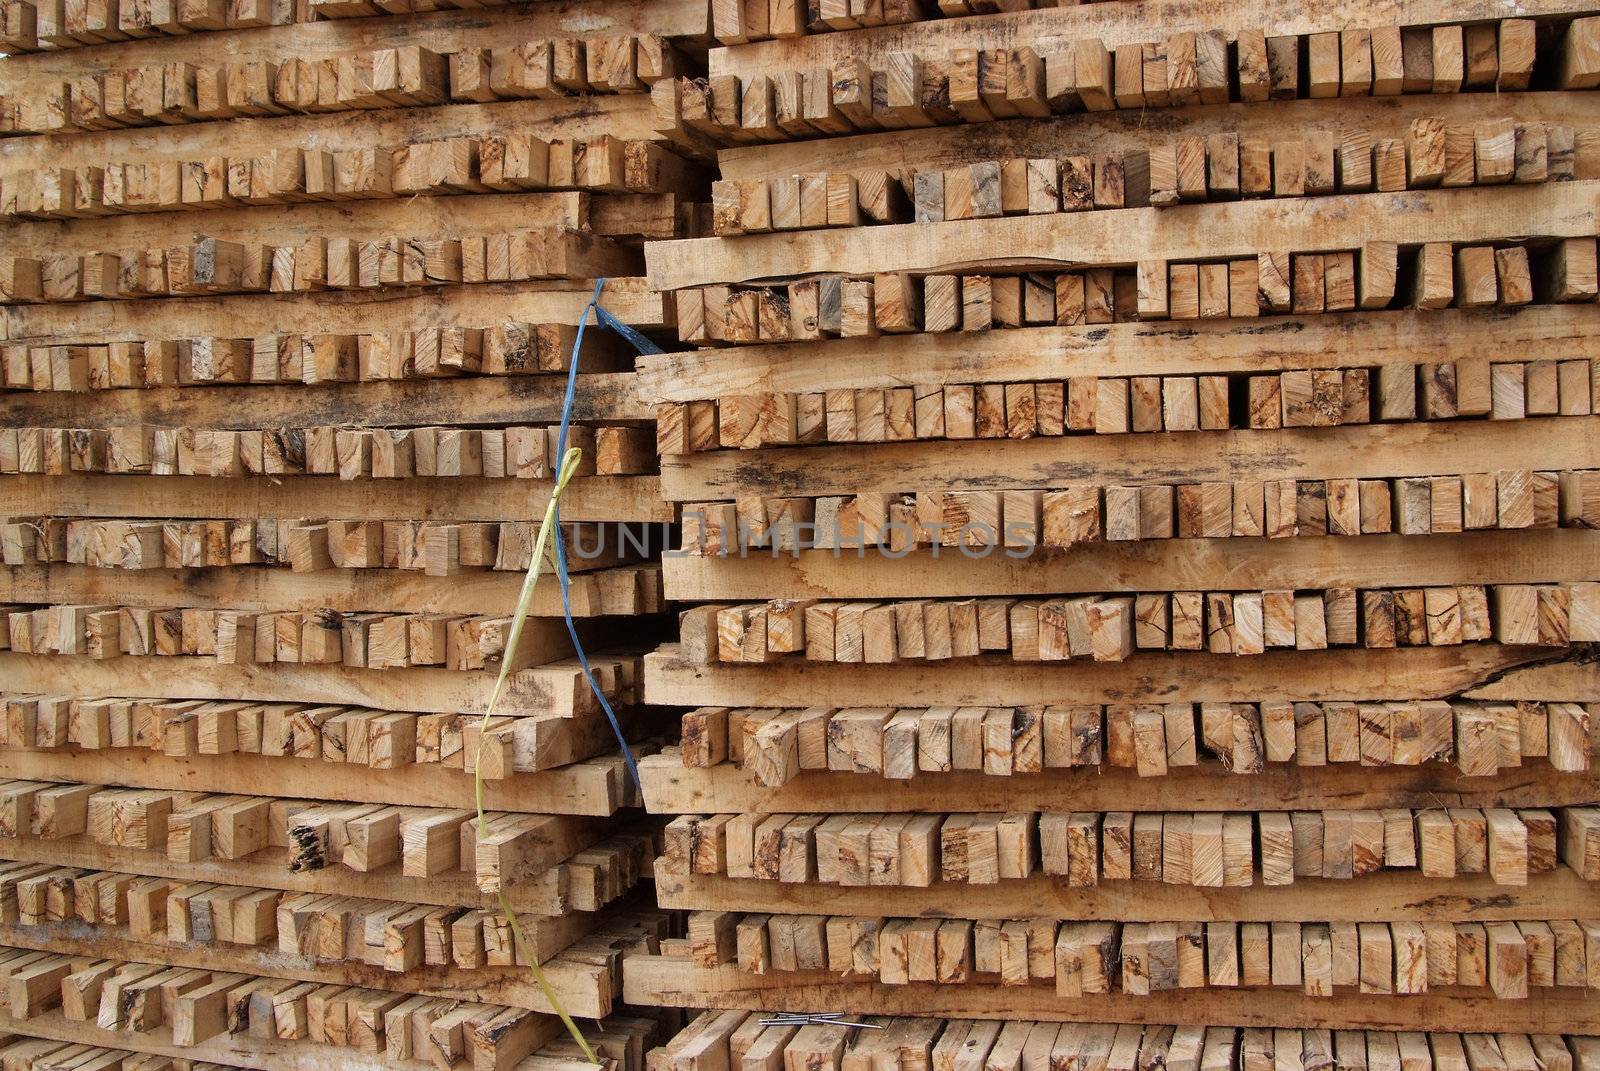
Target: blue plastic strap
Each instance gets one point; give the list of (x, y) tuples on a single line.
[(640, 343), (643, 345)]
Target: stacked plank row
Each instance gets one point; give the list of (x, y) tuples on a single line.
[(290, 296), (736, 1039), (1145, 561)]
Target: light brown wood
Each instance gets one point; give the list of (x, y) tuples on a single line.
[(663, 978), (1312, 343), (1097, 237), (1309, 451), (1441, 672), (550, 689)]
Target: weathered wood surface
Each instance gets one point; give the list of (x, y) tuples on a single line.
[(579, 985), (1569, 680), (1126, 236), (1051, 29), (1356, 451), (671, 788), (1354, 674), (1111, 131), (1156, 348), (567, 117), (549, 936), (268, 869), (552, 689), (331, 312), (589, 498), (1394, 896), (1532, 556), (475, 400), (596, 786), (345, 590), (680, 983), (263, 1053), (442, 31), (289, 224)]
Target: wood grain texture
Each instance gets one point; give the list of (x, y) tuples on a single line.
[(365, 590), (1390, 896), (261, 1053), (441, 30), (670, 788), (1358, 451), (332, 312), (554, 689), (1413, 673), (679, 983), (1156, 348), (1113, 131), (595, 786), (1053, 29), (476, 400), (1126, 236), (268, 869), (1158, 565), (579, 985), (420, 498)]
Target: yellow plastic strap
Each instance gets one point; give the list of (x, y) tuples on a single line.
[(569, 465)]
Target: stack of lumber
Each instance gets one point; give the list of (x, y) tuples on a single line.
[(289, 297), (1145, 561), (741, 1039)]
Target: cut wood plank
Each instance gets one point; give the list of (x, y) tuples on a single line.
[(1182, 565), (269, 870), (591, 786), (1102, 238), (1099, 132), (1313, 676), (442, 499), (554, 688), (720, 789), (1352, 452), (1305, 343), (574, 979), (159, 1040), (1048, 30), (346, 591), (656, 979), (289, 224), (348, 311)]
